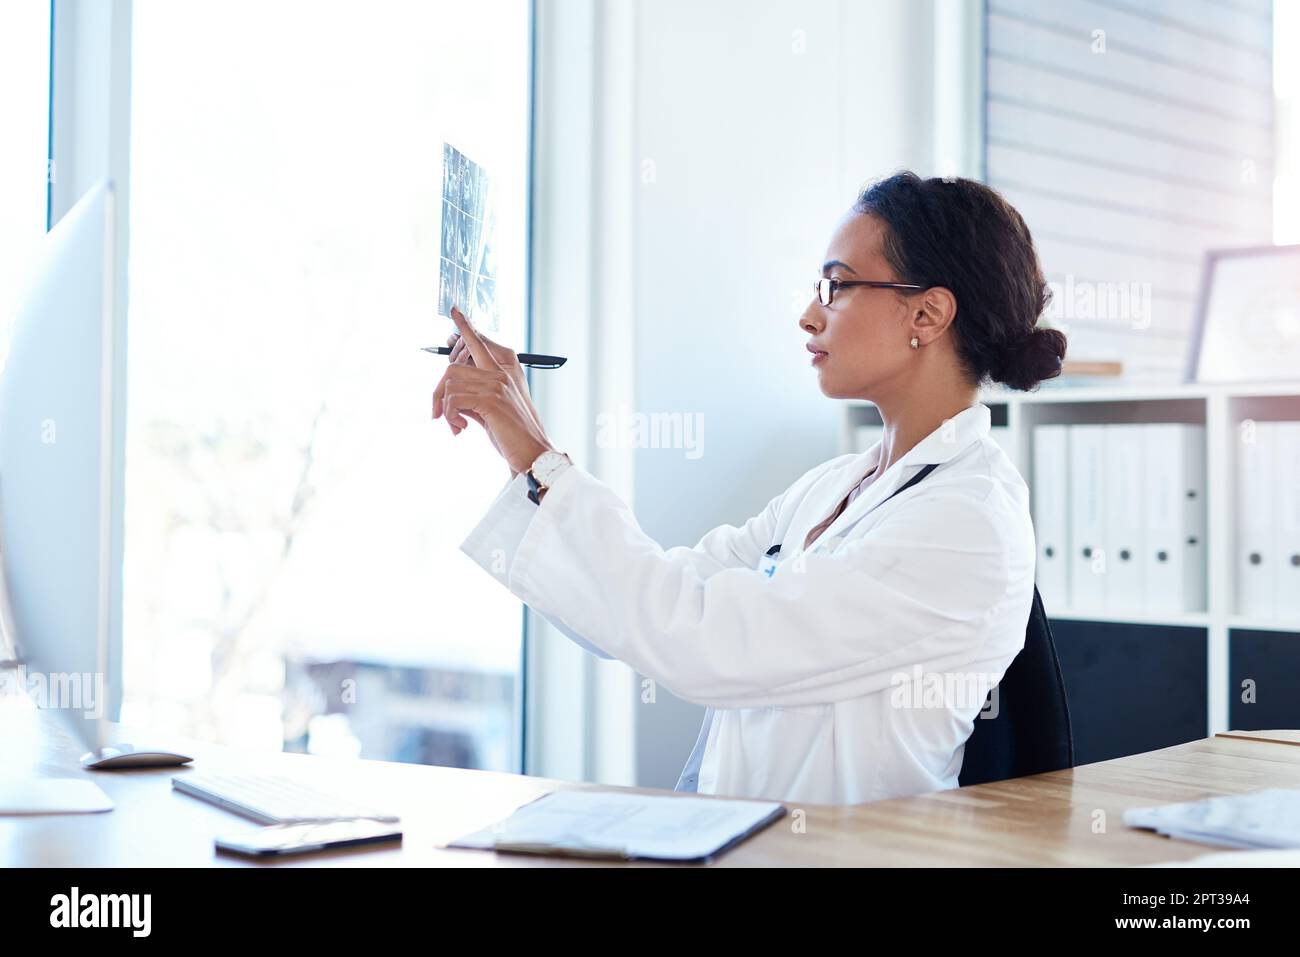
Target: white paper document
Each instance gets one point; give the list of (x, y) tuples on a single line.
[(624, 825), (1261, 819)]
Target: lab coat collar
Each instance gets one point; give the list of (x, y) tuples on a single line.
[(952, 437), (967, 426)]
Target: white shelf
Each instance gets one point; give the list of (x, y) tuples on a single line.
[(1186, 619), (1091, 394), (1242, 623)]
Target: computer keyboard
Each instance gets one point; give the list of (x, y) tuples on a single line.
[(272, 800)]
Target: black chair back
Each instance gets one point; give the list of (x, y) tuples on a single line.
[(1031, 731)]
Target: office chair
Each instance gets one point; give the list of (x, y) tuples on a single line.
[(1031, 733)]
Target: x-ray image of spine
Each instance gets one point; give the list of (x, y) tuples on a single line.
[(467, 267)]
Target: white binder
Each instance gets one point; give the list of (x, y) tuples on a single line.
[(1051, 500), (1286, 570), (1122, 505), (1089, 561), (1174, 555), (1257, 483)]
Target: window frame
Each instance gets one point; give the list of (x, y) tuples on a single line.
[(89, 140)]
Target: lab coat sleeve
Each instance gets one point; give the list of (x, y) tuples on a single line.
[(498, 534), (726, 546), (825, 627)]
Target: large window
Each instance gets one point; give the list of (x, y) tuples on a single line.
[(293, 515), (24, 120)]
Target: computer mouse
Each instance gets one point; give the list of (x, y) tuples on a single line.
[(121, 756)]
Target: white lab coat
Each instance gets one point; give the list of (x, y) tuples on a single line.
[(827, 670)]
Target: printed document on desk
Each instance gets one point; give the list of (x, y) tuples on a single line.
[(1268, 818), (626, 826)]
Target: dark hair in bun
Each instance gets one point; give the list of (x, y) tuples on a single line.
[(963, 236), (1031, 360)]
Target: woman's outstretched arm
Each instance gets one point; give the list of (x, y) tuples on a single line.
[(918, 592)]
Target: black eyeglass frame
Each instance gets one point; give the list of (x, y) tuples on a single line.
[(832, 286)]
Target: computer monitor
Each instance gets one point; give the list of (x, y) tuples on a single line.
[(61, 479)]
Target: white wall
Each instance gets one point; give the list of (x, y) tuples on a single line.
[(761, 121), (1132, 140), (728, 138)]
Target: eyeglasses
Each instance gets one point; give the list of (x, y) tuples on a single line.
[(826, 288)]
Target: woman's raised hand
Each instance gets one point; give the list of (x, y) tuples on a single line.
[(485, 382)]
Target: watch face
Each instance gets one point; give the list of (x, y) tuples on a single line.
[(547, 463)]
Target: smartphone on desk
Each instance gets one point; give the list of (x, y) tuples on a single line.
[(278, 840)]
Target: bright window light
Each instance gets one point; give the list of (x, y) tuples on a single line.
[(293, 577), (25, 122)]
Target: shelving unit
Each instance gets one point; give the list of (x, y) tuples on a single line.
[(1220, 409)]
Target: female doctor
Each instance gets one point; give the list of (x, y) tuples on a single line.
[(849, 664)]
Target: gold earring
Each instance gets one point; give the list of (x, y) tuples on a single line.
[(915, 342)]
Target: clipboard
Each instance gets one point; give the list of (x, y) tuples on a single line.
[(626, 826)]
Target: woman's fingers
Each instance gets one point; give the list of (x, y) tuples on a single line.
[(464, 380), (454, 420), (465, 396), (456, 345), (462, 356), (490, 396), (440, 390), (478, 349), (477, 418), (504, 357)]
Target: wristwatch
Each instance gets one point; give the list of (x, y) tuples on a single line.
[(545, 469)]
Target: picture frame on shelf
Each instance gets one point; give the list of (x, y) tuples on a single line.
[(1247, 324)]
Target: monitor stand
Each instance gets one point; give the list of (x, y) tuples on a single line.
[(52, 796)]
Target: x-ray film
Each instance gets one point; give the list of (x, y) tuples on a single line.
[(467, 267)]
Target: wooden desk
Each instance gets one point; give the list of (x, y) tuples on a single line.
[(1277, 737), (1048, 819)]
